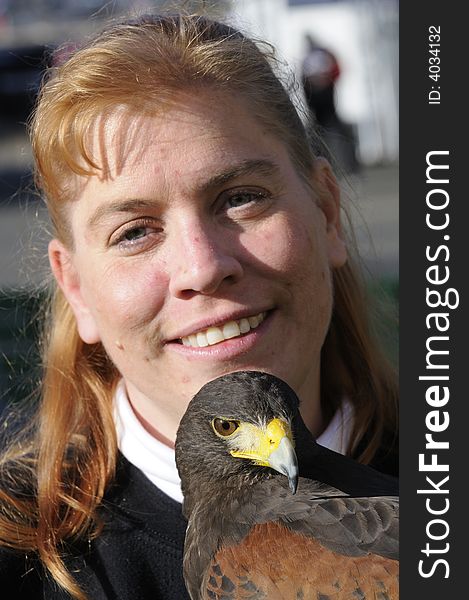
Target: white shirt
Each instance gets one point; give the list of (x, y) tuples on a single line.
[(337, 434), (139, 447), (157, 461)]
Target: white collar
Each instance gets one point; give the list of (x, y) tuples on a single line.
[(337, 434), (152, 457), (157, 461)]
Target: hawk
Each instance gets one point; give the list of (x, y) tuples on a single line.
[(258, 529)]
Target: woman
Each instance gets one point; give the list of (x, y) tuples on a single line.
[(195, 235)]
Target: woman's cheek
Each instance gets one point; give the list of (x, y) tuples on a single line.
[(275, 245), (131, 295)]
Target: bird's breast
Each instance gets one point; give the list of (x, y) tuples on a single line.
[(276, 563)]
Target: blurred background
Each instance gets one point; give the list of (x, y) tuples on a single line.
[(344, 57)]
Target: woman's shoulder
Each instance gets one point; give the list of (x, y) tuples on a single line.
[(19, 570), (386, 458), (19, 575)]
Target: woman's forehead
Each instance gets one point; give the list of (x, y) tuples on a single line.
[(194, 135)]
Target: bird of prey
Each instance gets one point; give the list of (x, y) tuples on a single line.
[(256, 529)]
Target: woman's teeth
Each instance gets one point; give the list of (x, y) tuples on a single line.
[(215, 335)]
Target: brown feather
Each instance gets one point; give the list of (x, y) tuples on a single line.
[(275, 563)]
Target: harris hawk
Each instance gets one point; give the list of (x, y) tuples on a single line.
[(256, 529)]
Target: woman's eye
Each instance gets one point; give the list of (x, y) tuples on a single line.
[(135, 233), (135, 236), (235, 200)]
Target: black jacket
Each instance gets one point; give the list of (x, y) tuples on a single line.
[(138, 555)]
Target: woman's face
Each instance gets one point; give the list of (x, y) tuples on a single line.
[(200, 251)]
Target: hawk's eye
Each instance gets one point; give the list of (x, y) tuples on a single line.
[(224, 427)]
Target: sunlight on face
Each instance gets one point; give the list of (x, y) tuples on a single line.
[(199, 251)]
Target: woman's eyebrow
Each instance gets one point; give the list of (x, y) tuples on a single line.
[(127, 205), (246, 167)]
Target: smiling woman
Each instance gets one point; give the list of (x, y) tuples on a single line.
[(196, 234)]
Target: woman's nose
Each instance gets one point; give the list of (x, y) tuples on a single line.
[(202, 263)]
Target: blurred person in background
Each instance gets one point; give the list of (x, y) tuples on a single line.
[(195, 234), (320, 72)]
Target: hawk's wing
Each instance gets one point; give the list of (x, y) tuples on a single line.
[(352, 526), (314, 544)]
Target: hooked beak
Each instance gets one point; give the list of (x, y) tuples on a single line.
[(284, 460), (270, 447)]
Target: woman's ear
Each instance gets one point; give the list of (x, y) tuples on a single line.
[(68, 279), (327, 188)]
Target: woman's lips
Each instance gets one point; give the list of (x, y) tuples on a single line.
[(231, 346), (216, 334)]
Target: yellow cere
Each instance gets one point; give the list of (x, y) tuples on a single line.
[(257, 443)]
